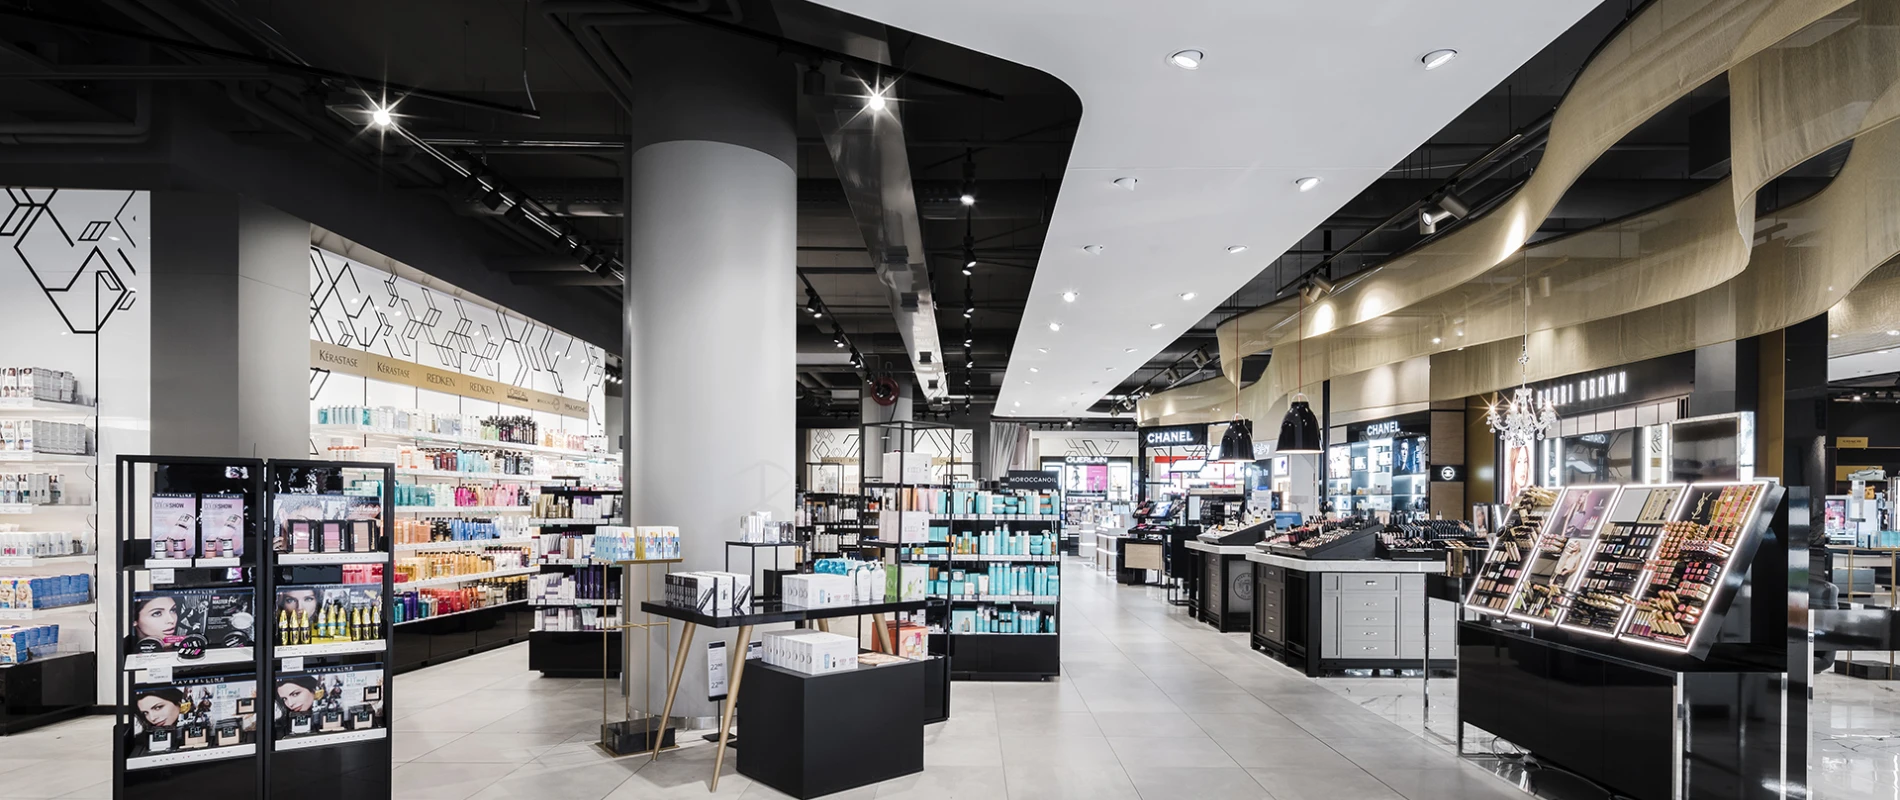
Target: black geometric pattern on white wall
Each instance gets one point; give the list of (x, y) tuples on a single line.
[(405, 320), (84, 277)]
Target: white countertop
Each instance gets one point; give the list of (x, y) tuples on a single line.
[(1316, 565), (1223, 549)]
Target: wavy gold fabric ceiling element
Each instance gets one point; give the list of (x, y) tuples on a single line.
[(1839, 68)]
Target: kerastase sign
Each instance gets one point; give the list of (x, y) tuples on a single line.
[(409, 373)]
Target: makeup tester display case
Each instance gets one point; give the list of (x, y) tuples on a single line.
[(1632, 626), (251, 629)]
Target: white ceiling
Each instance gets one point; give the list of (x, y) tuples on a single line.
[(1287, 90)]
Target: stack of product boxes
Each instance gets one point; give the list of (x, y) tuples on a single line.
[(39, 383), (16, 543), (819, 590), (715, 593), (35, 488), (810, 652), (45, 591), (41, 436), (19, 643)]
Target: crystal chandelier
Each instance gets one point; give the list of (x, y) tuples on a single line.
[(1524, 419)]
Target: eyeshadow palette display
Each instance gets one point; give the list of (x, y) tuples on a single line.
[(1542, 593), (1347, 539), (327, 523), (328, 700), (191, 714), (1693, 555), (1654, 573), (1504, 564), (1600, 597), (1424, 540)]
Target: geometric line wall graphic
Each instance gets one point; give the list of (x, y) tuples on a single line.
[(406, 320), (82, 278)]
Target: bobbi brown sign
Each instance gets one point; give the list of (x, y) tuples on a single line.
[(409, 373)]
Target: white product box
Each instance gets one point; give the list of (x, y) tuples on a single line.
[(903, 526), (810, 652), (905, 582), (906, 468), (818, 590)]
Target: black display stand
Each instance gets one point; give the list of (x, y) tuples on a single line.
[(233, 771), (564, 654), (817, 734), (47, 689), (201, 646), (1226, 591), (1708, 719)]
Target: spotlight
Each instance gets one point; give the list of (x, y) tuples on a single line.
[(1156, 326), (379, 114), (1127, 183), (1187, 59), (1320, 284), (838, 342), (967, 199), (966, 269), (1306, 184), (877, 101), (1437, 58), (968, 313), (1187, 295), (1092, 249), (1055, 326), (1068, 297), (813, 308), (1237, 249)]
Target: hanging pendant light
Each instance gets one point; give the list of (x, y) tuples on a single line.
[(1300, 433), (1236, 445), (1524, 420)]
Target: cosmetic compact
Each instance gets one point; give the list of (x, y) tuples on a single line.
[(332, 721), (160, 741), (372, 694), (228, 733), (362, 717), (196, 736), (299, 724)]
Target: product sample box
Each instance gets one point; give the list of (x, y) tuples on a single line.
[(810, 652), (192, 621), (329, 700), (818, 590), (719, 593)]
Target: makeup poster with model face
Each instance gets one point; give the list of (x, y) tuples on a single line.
[(221, 526), (174, 526), (329, 700), (190, 622), (303, 523), (193, 714)]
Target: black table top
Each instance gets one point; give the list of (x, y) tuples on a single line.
[(774, 611)]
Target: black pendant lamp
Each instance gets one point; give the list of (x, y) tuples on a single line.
[(1299, 430), (1236, 445)]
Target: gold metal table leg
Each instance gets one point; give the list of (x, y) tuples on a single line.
[(673, 686), (880, 635), (732, 699)]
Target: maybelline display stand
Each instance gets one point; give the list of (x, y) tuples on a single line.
[(251, 631)]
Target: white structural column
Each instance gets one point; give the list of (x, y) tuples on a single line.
[(711, 305)]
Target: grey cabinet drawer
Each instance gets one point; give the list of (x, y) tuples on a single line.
[(1382, 619), (1350, 634), (1369, 650), (1416, 649), (1363, 582), (1361, 601), (1270, 574)]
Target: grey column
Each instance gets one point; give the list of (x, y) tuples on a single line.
[(230, 328), (711, 300)]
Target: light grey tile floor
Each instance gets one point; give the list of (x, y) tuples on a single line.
[(1150, 705)]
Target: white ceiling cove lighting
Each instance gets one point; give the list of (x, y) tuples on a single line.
[(1237, 249), (1068, 297), (1055, 326), (1437, 58), (1092, 249), (1127, 183), (1306, 184), (1187, 59), (1187, 295)]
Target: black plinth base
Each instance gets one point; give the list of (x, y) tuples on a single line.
[(47, 690), (1006, 657), (829, 733), (353, 770), (574, 654), (627, 737)]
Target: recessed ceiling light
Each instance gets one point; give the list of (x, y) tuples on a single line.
[(1156, 326), (1092, 249), (1026, 383), (1461, 333), (1238, 248), (381, 116), (1068, 297), (1306, 184), (1128, 349), (1187, 295), (1055, 326), (1434, 340), (1833, 336), (1438, 58), (1018, 404), (1033, 369), (1042, 349), (1127, 182), (876, 102), (1187, 59)]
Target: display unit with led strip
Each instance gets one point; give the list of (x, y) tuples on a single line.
[(1542, 595), (1599, 600), (1497, 579)]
